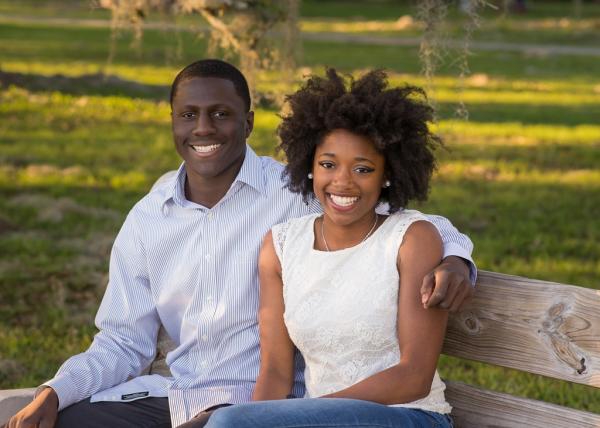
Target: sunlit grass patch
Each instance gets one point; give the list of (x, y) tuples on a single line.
[(57, 106), (163, 75), (147, 74), (494, 83), (519, 133), (56, 340), (518, 97), (518, 172), (403, 24), (98, 140), (579, 32), (44, 175)]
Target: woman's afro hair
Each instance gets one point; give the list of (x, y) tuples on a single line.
[(394, 119)]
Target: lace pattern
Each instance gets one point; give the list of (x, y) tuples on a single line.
[(278, 233), (341, 306)]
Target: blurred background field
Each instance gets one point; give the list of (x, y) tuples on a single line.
[(81, 140)]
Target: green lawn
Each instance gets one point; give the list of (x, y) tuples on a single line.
[(520, 177)]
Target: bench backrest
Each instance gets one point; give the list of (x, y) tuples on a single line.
[(534, 326)]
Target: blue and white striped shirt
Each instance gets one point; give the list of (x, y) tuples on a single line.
[(193, 270)]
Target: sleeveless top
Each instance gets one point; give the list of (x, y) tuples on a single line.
[(341, 306)]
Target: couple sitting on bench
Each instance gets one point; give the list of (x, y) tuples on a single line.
[(356, 283)]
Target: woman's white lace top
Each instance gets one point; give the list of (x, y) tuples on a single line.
[(341, 306)]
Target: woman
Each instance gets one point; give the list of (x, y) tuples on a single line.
[(343, 287)]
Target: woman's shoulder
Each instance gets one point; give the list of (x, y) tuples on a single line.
[(404, 222), (291, 230), (404, 218), (297, 222), (414, 229)]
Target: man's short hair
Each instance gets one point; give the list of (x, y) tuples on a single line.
[(214, 68)]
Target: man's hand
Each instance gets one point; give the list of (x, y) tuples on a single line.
[(448, 286), (41, 412)]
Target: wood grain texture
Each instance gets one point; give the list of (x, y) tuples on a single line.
[(535, 326), (478, 408)]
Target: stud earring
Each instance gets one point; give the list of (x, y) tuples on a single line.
[(310, 176), (387, 183)]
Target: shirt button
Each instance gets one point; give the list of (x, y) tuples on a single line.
[(209, 298), (209, 215), (204, 363), (204, 337), (207, 257)]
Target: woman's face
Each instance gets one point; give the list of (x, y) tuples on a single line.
[(348, 174)]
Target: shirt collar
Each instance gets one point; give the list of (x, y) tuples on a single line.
[(175, 190), (251, 174)]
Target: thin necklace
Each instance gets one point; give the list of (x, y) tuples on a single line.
[(363, 240)]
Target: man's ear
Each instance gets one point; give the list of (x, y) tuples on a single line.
[(249, 123)]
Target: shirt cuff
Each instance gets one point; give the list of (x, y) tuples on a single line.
[(453, 249), (65, 390)]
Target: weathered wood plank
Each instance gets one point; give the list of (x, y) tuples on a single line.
[(535, 326), (477, 408)]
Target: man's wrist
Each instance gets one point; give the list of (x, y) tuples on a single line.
[(459, 263), (48, 394), (462, 265)]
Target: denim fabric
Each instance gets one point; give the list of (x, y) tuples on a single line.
[(324, 413)]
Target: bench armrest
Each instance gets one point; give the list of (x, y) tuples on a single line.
[(13, 400)]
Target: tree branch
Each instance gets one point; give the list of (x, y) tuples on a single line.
[(222, 27)]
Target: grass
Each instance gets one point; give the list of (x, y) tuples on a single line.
[(76, 152)]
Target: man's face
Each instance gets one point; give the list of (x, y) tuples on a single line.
[(210, 127)]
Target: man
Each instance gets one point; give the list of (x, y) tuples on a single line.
[(186, 258)]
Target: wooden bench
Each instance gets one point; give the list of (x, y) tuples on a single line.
[(534, 326)]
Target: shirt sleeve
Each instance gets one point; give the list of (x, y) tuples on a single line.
[(128, 326), (455, 243)]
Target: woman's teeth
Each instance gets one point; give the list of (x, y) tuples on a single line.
[(206, 149), (343, 201)]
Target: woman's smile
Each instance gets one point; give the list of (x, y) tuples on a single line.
[(341, 202)]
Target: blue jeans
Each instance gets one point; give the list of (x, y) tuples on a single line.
[(324, 413)]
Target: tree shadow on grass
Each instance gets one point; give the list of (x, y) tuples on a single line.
[(88, 84)]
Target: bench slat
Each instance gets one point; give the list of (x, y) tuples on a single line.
[(478, 408), (535, 326)]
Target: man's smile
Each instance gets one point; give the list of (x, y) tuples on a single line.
[(206, 149)]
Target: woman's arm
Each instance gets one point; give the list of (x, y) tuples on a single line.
[(276, 375), (420, 331)]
